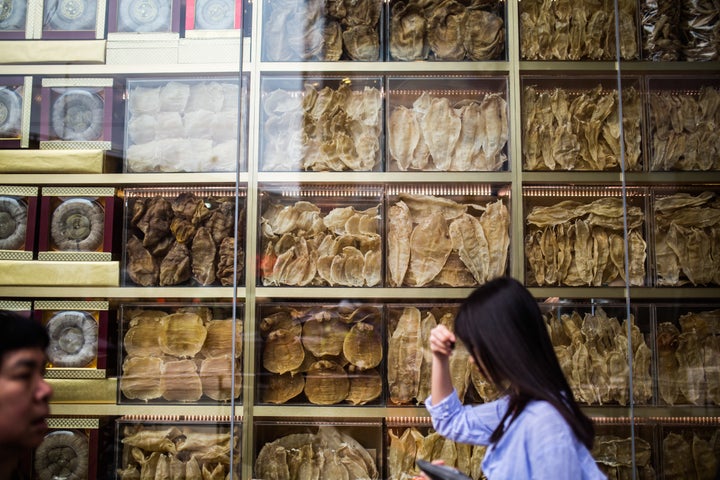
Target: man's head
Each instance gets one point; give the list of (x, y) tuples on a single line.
[(24, 393)]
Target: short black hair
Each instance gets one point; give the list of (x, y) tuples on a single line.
[(18, 332)]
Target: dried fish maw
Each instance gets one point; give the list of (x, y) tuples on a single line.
[(401, 453), (203, 252), (175, 266), (428, 323), (584, 252), (282, 319), (365, 386), (153, 440), (283, 351), (180, 381), (494, 109), (216, 378), (422, 207), (142, 339), (362, 346), (430, 246), (140, 378), (142, 268), (691, 375), (468, 239), (405, 357), (326, 383), (219, 338), (182, 334), (408, 28), (667, 343), (324, 336), (677, 457), (495, 222), (404, 135), (282, 388), (637, 254), (441, 130), (468, 154)]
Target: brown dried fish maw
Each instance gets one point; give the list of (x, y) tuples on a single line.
[(535, 258), (430, 246), (402, 452), (155, 222), (582, 387), (618, 371), (221, 223), (460, 370), (399, 230), (142, 268), (677, 457), (153, 440), (180, 381), (283, 319), (691, 376), (365, 386), (642, 374), (468, 239), (362, 43), (362, 346), (219, 338), (182, 229), (667, 343), (326, 383), (282, 388), (271, 462), (324, 336), (445, 32), (484, 35), (495, 222), (142, 339), (704, 458), (226, 265), (711, 367), (216, 378), (408, 27), (140, 378), (283, 351), (203, 253), (405, 357), (182, 334), (217, 473), (175, 267), (637, 254), (441, 130)]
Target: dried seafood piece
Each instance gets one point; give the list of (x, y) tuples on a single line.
[(175, 266), (142, 339), (324, 335), (62, 454), (203, 257), (408, 28), (326, 383), (441, 129), (151, 439), (13, 223), (404, 136), (468, 239), (219, 338), (365, 386), (77, 115), (282, 388), (73, 339), (78, 224), (362, 346), (677, 457), (484, 35), (283, 319), (216, 377), (495, 222), (430, 246), (180, 381), (283, 351), (182, 334), (139, 378), (405, 353)]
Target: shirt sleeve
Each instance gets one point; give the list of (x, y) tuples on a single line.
[(465, 423)]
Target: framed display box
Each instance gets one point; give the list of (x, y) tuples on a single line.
[(144, 16), (205, 18), (320, 354), (329, 124), (18, 209), (73, 19), (76, 113), (613, 448), (446, 235), (451, 123), (78, 333), (183, 236), (76, 223), (16, 20), (320, 235), (15, 106), (70, 449), (184, 125), (179, 353)]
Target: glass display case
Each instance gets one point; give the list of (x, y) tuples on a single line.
[(330, 179)]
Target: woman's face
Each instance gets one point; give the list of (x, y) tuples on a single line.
[(24, 399)]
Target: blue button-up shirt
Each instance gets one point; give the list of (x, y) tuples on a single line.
[(538, 444)]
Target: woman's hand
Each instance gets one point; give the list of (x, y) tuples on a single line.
[(442, 341)]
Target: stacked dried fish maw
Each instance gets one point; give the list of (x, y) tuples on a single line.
[(331, 354), (302, 246), (579, 30), (174, 241), (689, 359), (575, 244), (614, 456), (62, 454), (687, 239), (184, 126), (328, 454), (592, 350), (661, 30), (682, 129), (411, 444), (433, 241), (435, 135), (446, 30), (323, 129), (563, 130), (307, 30), (180, 356), (177, 451), (690, 454)]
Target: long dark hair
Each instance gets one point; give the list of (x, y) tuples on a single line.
[(502, 326)]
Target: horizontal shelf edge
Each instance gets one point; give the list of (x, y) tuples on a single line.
[(124, 178)]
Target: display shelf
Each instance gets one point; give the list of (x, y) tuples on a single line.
[(120, 179), (635, 178), (120, 294)]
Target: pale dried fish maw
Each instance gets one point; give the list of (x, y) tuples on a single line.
[(468, 239), (219, 338), (139, 378), (405, 357), (691, 375), (711, 366), (402, 453), (326, 383), (142, 339), (423, 206), (583, 252), (495, 222), (180, 381), (404, 136), (430, 246), (362, 346), (216, 378), (428, 323), (152, 440), (324, 336), (637, 254), (399, 230), (494, 109), (283, 319), (182, 334), (668, 366), (468, 153), (441, 130)]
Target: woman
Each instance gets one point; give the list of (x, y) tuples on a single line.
[(536, 429)]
